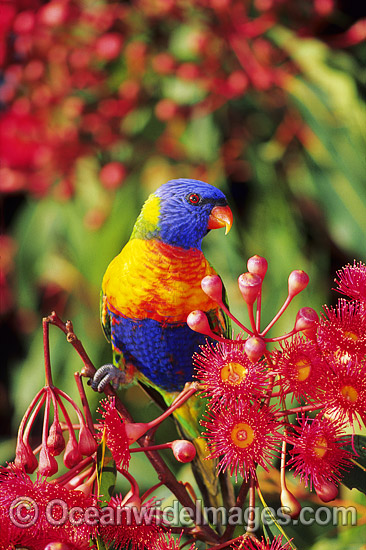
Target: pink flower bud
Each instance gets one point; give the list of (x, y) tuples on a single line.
[(257, 265), (47, 465), (25, 458), (249, 286), (212, 286), (87, 443), (184, 451), (291, 506), (55, 440), (85, 488), (306, 318), (72, 454), (327, 491), (297, 281), (307, 321), (254, 348), (134, 430), (197, 321), (133, 501)]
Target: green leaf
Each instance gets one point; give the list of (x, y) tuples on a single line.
[(271, 527), (136, 121), (201, 139), (183, 42), (107, 473), (182, 91), (356, 477), (100, 543)]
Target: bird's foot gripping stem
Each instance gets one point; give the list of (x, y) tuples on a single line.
[(104, 375)]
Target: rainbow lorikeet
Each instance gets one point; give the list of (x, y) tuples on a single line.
[(148, 291)]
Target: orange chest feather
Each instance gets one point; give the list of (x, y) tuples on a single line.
[(150, 279)]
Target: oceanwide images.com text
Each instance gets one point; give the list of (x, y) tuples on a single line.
[(24, 512)]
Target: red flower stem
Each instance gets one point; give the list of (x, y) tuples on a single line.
[(258, 313), (178, 402), (187, 388), (185, 394), (280, 393), (251, 318), (67, 328), (31, 420), (73, 404), (88, 370), (231, 316), (46, 418), (299, 409), (29, 411), (251, 504), (73, 471), (219, 338), (84, 402), (46, 351), (89, 473), (55, 406), (134, 486), (92, 473), (277, 316), (191, 491), (283, 462), (269, 360), (67, 418), (242, 495), (166, 476), (279, 338), (64, 427), (151, 490), (151, 448)]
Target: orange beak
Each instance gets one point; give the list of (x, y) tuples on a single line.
[(221, 216)]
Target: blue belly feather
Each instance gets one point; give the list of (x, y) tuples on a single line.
[(162, 352)]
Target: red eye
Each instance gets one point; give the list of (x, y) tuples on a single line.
[(194, 198)]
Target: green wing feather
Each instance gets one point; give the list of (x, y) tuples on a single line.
[(105, 319)]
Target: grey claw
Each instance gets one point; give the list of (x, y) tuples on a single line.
[(104, 375)]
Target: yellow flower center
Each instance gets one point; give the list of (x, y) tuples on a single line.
[(320, 446), (303, 366), (233, 373), (350, 334), (350, 393), (242, 435)]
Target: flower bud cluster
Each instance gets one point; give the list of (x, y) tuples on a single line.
[(53, 441), (318, 366)]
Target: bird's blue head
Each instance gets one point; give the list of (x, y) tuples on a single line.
[(182, 211)]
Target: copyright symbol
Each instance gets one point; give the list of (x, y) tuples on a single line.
[(23, 512)]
